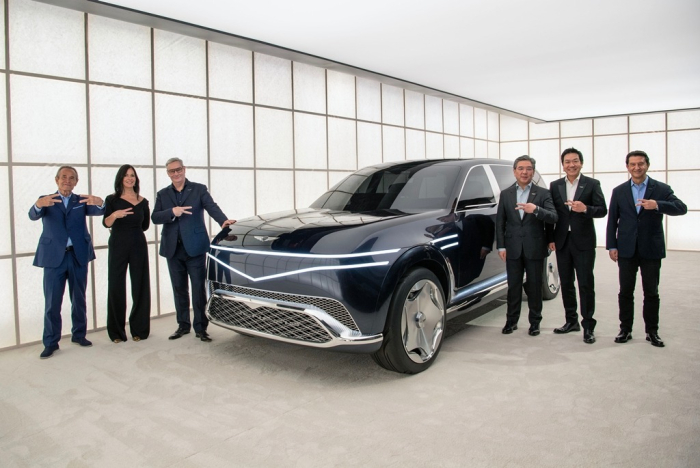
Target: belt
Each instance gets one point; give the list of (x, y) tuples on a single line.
[(69, 248)]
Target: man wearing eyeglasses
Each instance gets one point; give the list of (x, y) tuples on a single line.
[(184, 243)]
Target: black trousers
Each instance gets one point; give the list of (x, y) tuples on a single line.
[(577, 264), (180, 267), (515, 269), (651, 271), (128, 250)]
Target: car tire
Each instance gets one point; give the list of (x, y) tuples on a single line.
[(415, 324), (550, 278)]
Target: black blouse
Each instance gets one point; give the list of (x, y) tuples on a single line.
[(139, 219)]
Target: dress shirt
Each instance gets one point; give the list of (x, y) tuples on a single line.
[(638, 191), (522, 194)]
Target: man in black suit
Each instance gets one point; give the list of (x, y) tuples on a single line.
[(184, 242), (635, 240), (523, 210), (578, 199)]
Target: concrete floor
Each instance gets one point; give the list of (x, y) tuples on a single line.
[(490, 400)]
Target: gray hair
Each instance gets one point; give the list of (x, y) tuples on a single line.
[(172, 160), (524, 157), (58, 172)]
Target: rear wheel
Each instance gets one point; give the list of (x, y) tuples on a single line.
[(415, 324), (550, 278)]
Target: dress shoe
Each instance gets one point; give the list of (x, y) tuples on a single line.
[(509, 328), (48, 352), (179, 333), (655, 340), (117, 340), (85, 343), (588, 336), (534, 330), (136, 338), (203, 335), (568, 327), (623, 337)]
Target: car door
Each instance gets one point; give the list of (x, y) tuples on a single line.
[(476, 220)]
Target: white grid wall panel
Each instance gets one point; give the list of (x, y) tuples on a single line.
[(335, 177), (46, 39), (341, 94), (683, 149), (451, 143), (310, 141), (466, 120), (394, 143), (585, 146), (434, 146), (576, 128), (342, 144), (466, 148), (120, 126), (273, 138), (494, 133), (450, 117), (3, 124), (48, 121), (309, 88), (5, 227), (433, 113), (234, 192), (120, 52), (392, 105), (543, 131), (546, 153), (654, 144), (231, 135), (415, 109), (181, 129), (684, 120), (230, 73), (179, 63), (513, 129), (273, 81), (685, 186), (2, 37), (610, 125), (480, 124), (512, 150), (369, 100), (7, 313), (308, 186), (274, 191), (369, 144), (480, 149), (415, 144), (647, 123), (494, 150), (610, 152), (682, 233)]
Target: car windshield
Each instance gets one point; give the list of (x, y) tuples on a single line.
[(415, 186)]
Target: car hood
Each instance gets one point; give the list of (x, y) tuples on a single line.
[(318, 231)]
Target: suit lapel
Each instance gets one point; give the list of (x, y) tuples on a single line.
[(580, 187), (171, 194), (651, 185), (186, 194), (562, 189), (628, 195)]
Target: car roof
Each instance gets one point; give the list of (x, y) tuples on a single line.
[(457, 162)]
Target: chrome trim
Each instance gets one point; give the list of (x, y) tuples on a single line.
[(297, 272), (490, 286), (339, 334), (436, 241), (286, 254)]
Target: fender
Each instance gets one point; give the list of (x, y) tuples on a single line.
[(424, 255)]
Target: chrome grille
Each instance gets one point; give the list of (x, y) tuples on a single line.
[(277, 322), (332, 307)]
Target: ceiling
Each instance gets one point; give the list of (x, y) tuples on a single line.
[(545, 59)]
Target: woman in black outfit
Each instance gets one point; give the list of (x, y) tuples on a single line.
[(128, 216)]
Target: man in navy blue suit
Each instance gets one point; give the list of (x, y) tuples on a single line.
[(64, 251), (635, 240), (184, 243)]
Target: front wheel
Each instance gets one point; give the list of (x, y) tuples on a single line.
[(415, 324)]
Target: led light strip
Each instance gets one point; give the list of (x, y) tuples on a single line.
[(296, 272), (449, 245), (285, 254)]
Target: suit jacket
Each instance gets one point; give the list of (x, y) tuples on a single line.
[(583, 233), (60, 223), (644, 232), (524, 236), (190, 227)]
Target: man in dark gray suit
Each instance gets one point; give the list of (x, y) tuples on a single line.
[(184, 242), (523, 210), (578, 200)]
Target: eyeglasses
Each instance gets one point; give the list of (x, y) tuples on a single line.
[(176, 170)]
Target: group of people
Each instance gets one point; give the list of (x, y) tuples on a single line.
[(531, 221), (65, 249)]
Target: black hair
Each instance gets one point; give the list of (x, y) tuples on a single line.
[(636, 153), (119, 180), (569, 151)]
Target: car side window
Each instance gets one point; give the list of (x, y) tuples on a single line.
[(477, 190), (504, 176)]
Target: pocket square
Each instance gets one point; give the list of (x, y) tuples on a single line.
[(79, 206)]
